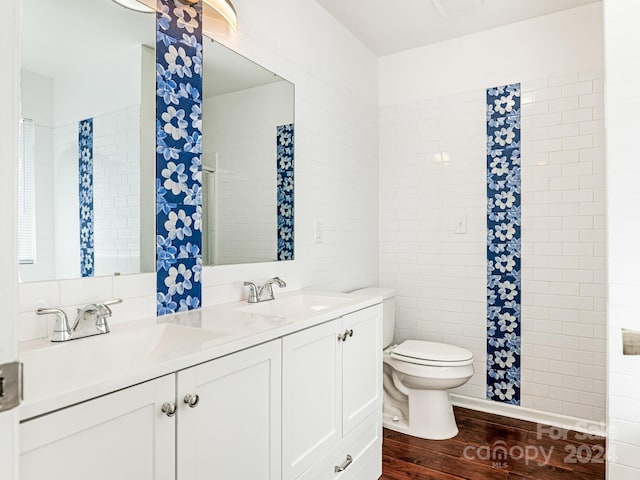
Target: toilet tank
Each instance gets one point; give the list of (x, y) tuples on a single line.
[(388, 310)]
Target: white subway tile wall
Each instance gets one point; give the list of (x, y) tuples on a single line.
[(239, 135), (563, 245), (621, 18), (432, 157), (116, 168), (433, 168), (137, 291)]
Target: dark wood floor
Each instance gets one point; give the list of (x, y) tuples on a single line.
[(496, 448)]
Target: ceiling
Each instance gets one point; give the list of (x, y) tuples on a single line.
[(391, 26)]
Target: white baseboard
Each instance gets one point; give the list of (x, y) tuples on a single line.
[(591, 427)]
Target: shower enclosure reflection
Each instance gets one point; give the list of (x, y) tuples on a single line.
[(209, 227), (243, 106)]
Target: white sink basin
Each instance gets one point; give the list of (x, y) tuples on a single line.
[(169, 338), (56, 363), (294, 305)]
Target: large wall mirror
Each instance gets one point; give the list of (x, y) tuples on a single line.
[(87, 84), (245, 109), (88, 80)]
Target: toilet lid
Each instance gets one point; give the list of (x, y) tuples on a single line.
[(431, 351)]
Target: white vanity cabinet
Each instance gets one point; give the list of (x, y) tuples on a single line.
[(332, 399), (232, 431), (297, 402), (227, 423), (123, 435)]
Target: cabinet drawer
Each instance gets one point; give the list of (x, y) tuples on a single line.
[(363, 444)]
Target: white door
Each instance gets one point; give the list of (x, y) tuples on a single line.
[(230, 425), (9, 115), (361, 366), (123, 435), (311, 409)]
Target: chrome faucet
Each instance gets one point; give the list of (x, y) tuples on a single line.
[(83, 326), (263, 292)]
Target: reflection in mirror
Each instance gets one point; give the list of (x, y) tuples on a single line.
[(247, 113), (88, 81)]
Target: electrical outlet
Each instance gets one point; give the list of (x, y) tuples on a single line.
[(461, 224), (318, 232)]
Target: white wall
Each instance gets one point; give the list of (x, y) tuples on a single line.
[(336, 167), (37, 105), (9, 116), (621, 20), (107, 90), (102, 85), (116, 194), (568, 41), (66, 201), (433, 173), (239, 130), (57, 105)]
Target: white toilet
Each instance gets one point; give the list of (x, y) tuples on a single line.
[(417, 376)]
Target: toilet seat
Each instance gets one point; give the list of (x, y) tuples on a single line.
[(433, 354)]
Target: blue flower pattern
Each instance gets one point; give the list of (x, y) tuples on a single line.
[(285, 141), (178, 163), (503, 244), (85, 182)]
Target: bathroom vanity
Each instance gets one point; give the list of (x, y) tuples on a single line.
[(287, 389)]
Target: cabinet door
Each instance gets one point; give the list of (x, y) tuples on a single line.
[(233, 432), (123, 435), (361, 366), (311, 410)]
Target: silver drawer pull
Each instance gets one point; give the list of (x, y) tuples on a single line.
[(192, 400), (169, 409), (342, 337), (343, 467)]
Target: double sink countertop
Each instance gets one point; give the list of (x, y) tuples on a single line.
[(57, 375)]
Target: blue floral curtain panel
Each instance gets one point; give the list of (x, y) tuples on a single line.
[(285, 141), (178, 156), (85, 182), (503, 244)]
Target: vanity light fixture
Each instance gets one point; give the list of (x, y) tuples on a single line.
[(134, 5), (223, 8)]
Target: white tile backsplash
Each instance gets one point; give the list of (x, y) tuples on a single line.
[(563, 238)]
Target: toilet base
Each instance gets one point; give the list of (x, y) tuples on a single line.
[(430, 416)]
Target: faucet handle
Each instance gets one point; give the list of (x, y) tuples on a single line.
[(61, 330), (114, 301), (253, 292), (105, 312), (103, 307)]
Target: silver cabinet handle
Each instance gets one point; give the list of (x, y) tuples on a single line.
[(192, 400), (343, 467), (169, 409), (342, 337)]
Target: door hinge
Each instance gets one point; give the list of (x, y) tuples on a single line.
[(10, 385)]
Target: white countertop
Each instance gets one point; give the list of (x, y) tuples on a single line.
[(57, 375)]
